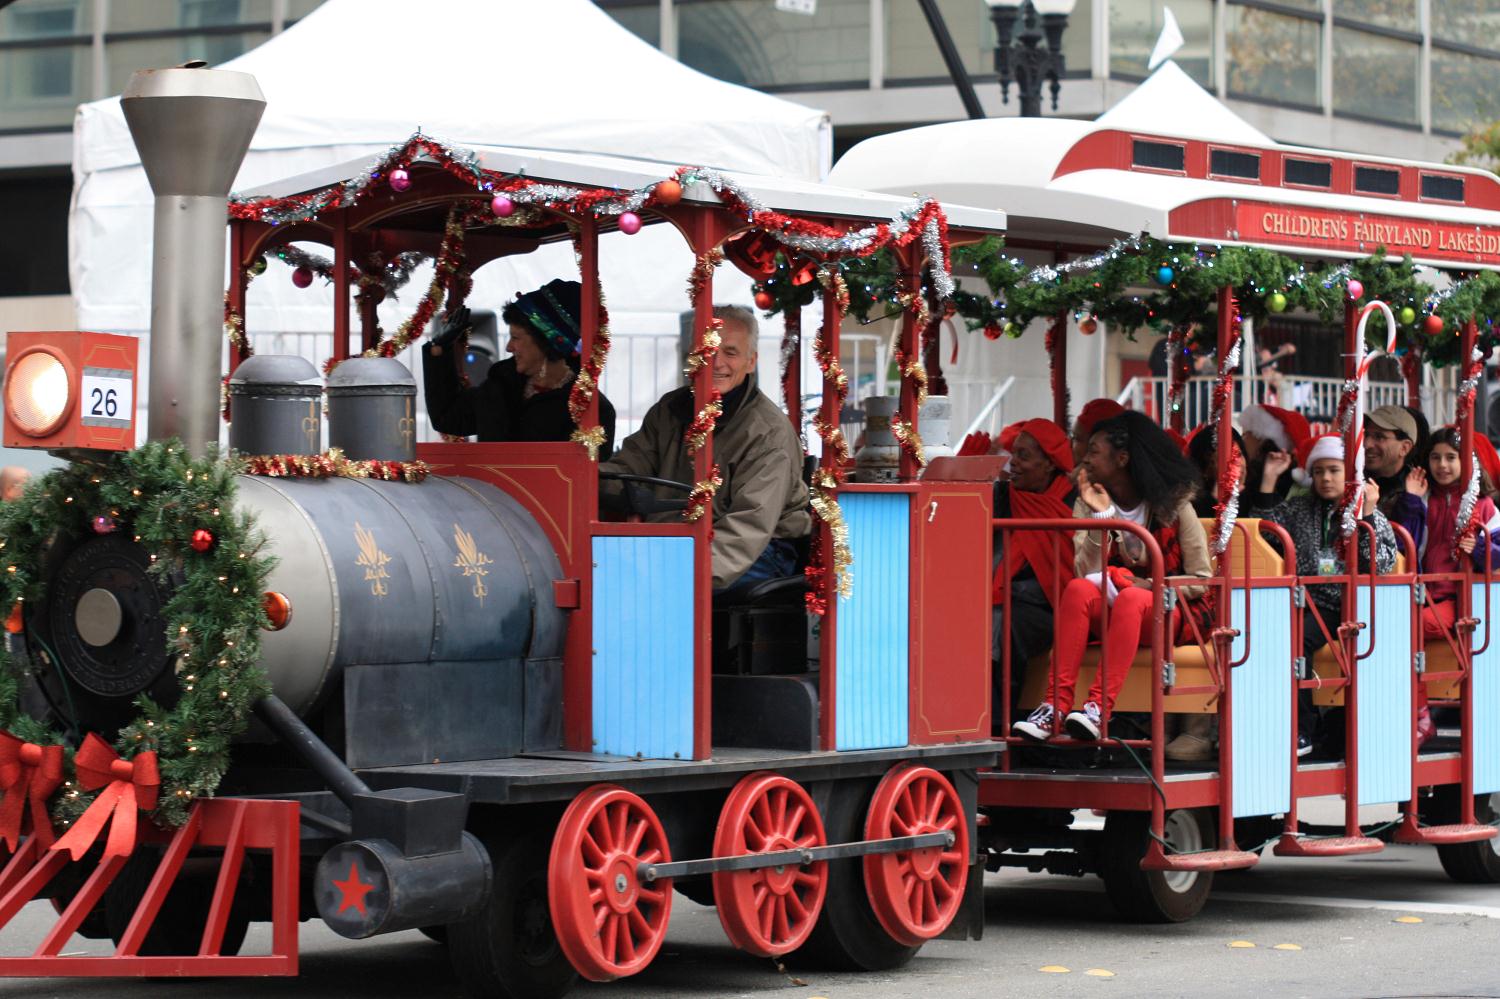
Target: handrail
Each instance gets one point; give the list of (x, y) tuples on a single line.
[(989, 407), (1363, 525)]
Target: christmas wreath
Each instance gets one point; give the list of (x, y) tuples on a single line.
[(181, 511)]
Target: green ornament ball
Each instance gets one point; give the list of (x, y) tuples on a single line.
[(1013, 331), (1276, 302), (1407, 315), (259, 267)]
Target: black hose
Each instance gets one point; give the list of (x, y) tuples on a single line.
[(293, 731)]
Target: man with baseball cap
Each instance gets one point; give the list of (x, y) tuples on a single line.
[(1390, 445)]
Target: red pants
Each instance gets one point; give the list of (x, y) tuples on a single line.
[(1079, 613), (1435, 616)]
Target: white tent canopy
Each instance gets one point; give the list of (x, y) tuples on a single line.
[(355, 77), (1170, 100)]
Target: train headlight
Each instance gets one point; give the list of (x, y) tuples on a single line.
[(38, 393)]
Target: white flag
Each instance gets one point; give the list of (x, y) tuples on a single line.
[(1168, 42)]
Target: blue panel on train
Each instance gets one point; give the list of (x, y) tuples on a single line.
[(1487, 697), (1262, 704), (1385, 709), (643, 647), (871, 698)]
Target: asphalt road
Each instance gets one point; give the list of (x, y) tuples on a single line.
[(1387, 925)]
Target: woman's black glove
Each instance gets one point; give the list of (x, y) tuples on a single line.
[(453, 327)]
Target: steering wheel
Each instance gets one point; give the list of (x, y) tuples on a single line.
[(638, 497)]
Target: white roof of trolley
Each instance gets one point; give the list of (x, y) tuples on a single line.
[(1172, 162), (783, 194)]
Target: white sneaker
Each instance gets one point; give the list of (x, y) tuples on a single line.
[(1038, 725), (1084, 723)]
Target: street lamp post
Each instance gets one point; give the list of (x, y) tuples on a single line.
[(1025, 61)]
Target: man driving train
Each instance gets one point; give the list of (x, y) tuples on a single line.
[(761, 508)]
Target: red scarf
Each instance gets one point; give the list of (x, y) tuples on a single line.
[(1049, 553)]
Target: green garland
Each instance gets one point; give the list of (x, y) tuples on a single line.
[(161, 495), (1122, 286)]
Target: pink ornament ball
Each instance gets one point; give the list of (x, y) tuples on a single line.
[(630, 223), (302, 277), (1356, 290), (502, 206), (400, 180)]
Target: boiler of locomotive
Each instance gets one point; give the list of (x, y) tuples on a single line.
[(423, 621)]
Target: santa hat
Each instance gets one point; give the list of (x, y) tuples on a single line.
[(1048, 436), (1489, 458), (1095, 412), (1315, 449), (1283, 427)]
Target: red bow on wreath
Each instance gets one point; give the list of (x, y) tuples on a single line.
[(128, 785), (28, 772)]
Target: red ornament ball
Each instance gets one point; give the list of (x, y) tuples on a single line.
[(1433, 325), (203, 540), (764, 301), (992, 332), (668, 192), (502, 206), (1088, 326), (302, 277), (630, 223), (103, 524)]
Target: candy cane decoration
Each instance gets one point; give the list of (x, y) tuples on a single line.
[(1351, 411)]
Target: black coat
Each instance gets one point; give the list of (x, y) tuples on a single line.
[(497, 409)]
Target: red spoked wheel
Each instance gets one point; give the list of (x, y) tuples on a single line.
[(916, 893), (608, 923), (772, 910)]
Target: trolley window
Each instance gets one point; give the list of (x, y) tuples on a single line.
[(1377, 180), (1441, 188), (1159, 155), (1229, 163), (1308, 173)]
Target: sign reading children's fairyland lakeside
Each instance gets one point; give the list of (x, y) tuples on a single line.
[(1260, 223)]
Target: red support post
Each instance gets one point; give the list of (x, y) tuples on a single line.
[(1059, 367), (833, 318), (1348, 637), (340, 285), (791, 379), (1467, 338), (1223, 616), (910, 348), (705, 234), (239, 285), (578, 680)]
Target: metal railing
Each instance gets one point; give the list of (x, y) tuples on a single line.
[(1315, 398), (989, 415)]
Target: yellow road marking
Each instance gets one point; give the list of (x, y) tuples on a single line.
[(1053, 969), (1100, 973), (1287, 947), (1408, 919), (1241, 943)]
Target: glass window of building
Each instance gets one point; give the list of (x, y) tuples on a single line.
[(752, 43), (1465, 90), (1273, 56), (1134, 26), (642, 17), (912, 54), (1472, 22), (44, 71), (1399, 14), (1375, 76), (172, 15), (124, 57)]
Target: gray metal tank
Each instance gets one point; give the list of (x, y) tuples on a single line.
[(371, 409), (276, 406)]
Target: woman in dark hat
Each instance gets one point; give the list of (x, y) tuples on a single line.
[(525, 396)]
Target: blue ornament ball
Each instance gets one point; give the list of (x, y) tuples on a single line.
[(1164, 275)]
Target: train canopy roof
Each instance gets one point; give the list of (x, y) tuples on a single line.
[(597, 170), (1211, 178)]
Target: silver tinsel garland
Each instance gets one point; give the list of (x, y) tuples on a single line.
[(1466, 503)]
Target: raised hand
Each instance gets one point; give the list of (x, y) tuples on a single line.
[(453, 327), (1416, 482), (1371, 498), (1276, 465), (1094, 496)]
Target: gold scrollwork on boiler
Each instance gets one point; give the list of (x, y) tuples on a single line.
[(472, 561), (372, 559)]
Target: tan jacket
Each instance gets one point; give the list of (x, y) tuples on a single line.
[(1191, 538), (760, 458)]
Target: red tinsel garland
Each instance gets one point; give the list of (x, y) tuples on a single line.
[(701, 498), (1055, 331), (332, 464), (826, 479), (1227, 499), (590, 371)]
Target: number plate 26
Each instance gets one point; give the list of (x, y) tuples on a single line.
[(108, 398)]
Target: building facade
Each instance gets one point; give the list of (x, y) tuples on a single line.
[(1381, 76)]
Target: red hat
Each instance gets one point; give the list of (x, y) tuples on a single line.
[(1283, 427), (1314, 449), (1094, 413), (1049, 437), (1489, 458)]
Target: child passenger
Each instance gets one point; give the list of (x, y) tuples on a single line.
[(1313, 522), (1441, 540), (1132, 471)]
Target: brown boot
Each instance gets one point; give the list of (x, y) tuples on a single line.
[(1195, 741)]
